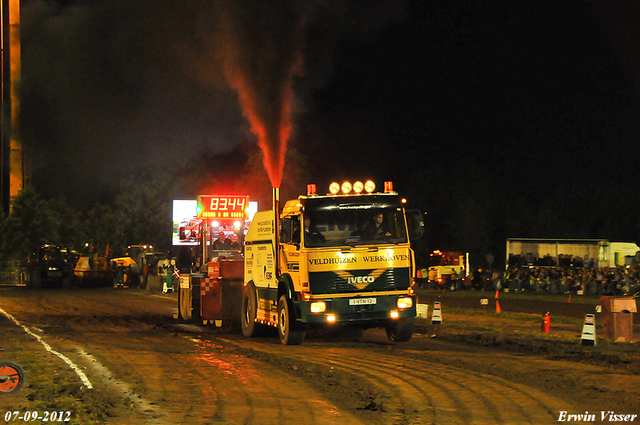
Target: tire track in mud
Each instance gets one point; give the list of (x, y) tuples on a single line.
[(37, 307), (416, 391), (270, 397), (518, 405), (225, 388), (239, 400), (141, 370), (75, 309), (113, 308), (162, 377)]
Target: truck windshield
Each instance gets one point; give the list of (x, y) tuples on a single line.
[(339, 227)]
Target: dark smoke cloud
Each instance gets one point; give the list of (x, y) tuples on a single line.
[(113, 87)]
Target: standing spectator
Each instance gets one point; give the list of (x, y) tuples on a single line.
[(477, 279), (497, 280), (433, 276), (170, 270)]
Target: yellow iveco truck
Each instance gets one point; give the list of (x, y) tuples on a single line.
[(341, 260)]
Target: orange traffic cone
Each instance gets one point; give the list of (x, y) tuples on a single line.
[(498, 307), (497, 293), (569, 298), (546, 322)]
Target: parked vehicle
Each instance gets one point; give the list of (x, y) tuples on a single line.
[(46, 267)]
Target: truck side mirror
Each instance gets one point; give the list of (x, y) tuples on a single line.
[(415, 223)]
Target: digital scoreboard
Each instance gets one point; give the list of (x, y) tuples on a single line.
[(223, 206)]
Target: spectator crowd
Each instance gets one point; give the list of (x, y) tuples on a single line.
[(567, 275)]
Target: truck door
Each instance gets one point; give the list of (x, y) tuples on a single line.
[(290, 246)]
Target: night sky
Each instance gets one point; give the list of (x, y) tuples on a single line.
[(465, 105)]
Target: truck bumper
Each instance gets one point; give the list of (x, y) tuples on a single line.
[(356, 311)]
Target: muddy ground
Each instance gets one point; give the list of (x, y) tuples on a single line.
[(478, 366)]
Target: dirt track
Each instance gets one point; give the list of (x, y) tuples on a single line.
[(145, 369)]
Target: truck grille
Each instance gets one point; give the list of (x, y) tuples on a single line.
[(339, 282)]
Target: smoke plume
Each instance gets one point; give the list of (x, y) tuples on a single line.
[(262, 54)]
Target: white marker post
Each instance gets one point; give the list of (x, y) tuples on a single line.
[(436, 317), (589, 330)]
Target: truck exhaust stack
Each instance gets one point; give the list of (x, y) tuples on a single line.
[(276, 209), (276, 199)]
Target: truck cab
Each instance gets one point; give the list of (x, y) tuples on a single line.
[(335, 260)]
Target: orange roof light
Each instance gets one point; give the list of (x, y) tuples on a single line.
[(346, 188), (369, 186), (388, 187)]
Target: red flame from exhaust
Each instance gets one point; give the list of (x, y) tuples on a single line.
[(261, 45), (272, 134)]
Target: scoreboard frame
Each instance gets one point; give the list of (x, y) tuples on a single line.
[(223, 207)]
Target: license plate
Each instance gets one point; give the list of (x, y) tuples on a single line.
[(362, 301), (54, 274)]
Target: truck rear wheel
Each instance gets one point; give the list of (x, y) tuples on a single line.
[(289, 330), (401, 330), (249, 310)]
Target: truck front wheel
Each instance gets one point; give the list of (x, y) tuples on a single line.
[(290, 331), (401, 330)]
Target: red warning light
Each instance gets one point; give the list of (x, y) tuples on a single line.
[(311, 189), (388, 187)]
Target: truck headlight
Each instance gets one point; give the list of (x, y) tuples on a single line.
[(318, 307), (405, 303)]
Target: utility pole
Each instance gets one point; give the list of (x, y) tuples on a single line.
[(13, 159)]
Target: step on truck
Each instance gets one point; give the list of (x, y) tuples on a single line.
[(340, 261)]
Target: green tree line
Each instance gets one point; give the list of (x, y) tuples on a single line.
[(467, 210), (141, 211), (140, 214)]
